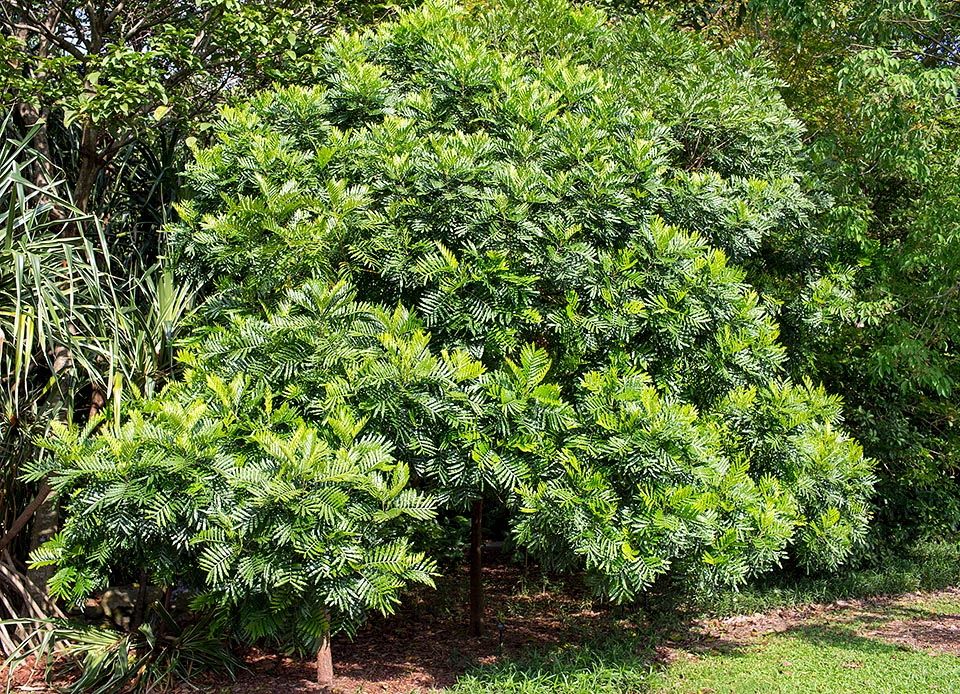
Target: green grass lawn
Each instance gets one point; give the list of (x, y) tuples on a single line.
[(619, 666), (810, 659), (835, 652)]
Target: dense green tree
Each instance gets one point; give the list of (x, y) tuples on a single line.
[(503, 241), (460, 165), (281, 529)]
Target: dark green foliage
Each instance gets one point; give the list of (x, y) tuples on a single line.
[(925, 566), (865, 291)]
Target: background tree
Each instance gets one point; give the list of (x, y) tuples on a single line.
[(893, 170), (67, 325), (53, 302), (115, 69)]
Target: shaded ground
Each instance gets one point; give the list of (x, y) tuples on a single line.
[(425, 646)]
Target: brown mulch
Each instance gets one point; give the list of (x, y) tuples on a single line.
[(425, 645)]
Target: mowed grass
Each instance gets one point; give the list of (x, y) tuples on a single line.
[(807, 660), (618, 664), (833, 653)]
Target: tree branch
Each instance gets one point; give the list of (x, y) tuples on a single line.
[(25, 516)]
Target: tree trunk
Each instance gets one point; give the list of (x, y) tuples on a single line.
[(140, 608), (90, 164), (42, 172), (476, 568), (325, 661), (98, 401), (26, 515), (46, 522)]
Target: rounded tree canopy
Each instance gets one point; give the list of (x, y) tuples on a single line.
[(562, 197), (541, 212)]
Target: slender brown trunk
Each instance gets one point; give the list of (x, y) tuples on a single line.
[(164, 624), (46, 521), (40, 171), (140, 608), (476, 568), (46, 517), (90, 164), (25, 516), (325, 661), (98, 401)]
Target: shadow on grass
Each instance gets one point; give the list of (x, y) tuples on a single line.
[(841, 637), (613, 664), (825, 636)]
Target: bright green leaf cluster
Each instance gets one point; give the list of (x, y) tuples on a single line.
[(283, 527)]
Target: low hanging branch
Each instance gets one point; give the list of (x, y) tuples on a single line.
[(21, 521)]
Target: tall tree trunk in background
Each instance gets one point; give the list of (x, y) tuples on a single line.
[(20, 522), (41, 171), (46, 521), (30, 115), (476, 568), (90, 164), (91, 161), (98, 401)]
